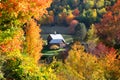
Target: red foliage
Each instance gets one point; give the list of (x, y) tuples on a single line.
[(108, 29), (69, 18), (13, 44), (34, 8), (76, 12), (101, 50), (72, 25)]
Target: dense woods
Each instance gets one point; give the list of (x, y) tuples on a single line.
[(96, 23)]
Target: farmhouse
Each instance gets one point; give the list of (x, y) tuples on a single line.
[(56, 39)]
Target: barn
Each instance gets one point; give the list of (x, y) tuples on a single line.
[(56, 39)]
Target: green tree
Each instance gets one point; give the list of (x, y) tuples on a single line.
[(91, 34), (100, 4), (101, 11), (89, 4), (80, 32)]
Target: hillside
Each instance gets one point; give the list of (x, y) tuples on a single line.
[(86, 45)]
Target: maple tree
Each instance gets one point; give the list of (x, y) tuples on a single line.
[(69, 18), (108, 29), (16, 13), (72, 25), (15, 17), (88, 66), (76, 12), (84, 63), (34, 42)]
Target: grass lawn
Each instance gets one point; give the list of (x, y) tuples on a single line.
[(47, 51), (52, 52)]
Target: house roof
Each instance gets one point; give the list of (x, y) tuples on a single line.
[(56, 37), (56, 41)]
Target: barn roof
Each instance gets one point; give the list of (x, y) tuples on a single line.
[(56, 37), (56, 41)]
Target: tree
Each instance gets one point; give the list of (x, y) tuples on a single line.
[(69, 18), (108, 29), (73, 3), (92, 38), (84, 64), (76, 12), (101, 11), (14, 16), (100, 4), (73, 25), (89, 4), (80, 32), (34, 42)]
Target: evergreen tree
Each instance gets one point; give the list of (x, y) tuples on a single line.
[(80, 32)]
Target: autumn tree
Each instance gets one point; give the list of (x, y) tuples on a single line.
[(92, 39), (69, 18), (90, 67), (84, 63), (111, 65), (108, 29), (14, 16), (34, 43), (72, 26), (89, 4), (76, 12)]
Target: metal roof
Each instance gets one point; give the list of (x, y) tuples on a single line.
[(57, 37), (56, 41)]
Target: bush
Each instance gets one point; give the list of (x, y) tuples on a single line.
[(19, 67)]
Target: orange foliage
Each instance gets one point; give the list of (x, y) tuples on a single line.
[(19, 12), (69, 18), (62, 16), (34, 42), (73, 25), (76, 12), (108, 29), (50, 19), (12, 44), (25, 8)]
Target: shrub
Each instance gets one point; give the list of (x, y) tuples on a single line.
[(18, 67)]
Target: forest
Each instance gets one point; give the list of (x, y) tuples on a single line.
[(92, 54)]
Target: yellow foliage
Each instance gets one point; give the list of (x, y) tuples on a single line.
[(84, 63), (34, 42), (69, 18)]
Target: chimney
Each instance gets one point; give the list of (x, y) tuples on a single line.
[(54, 32)]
